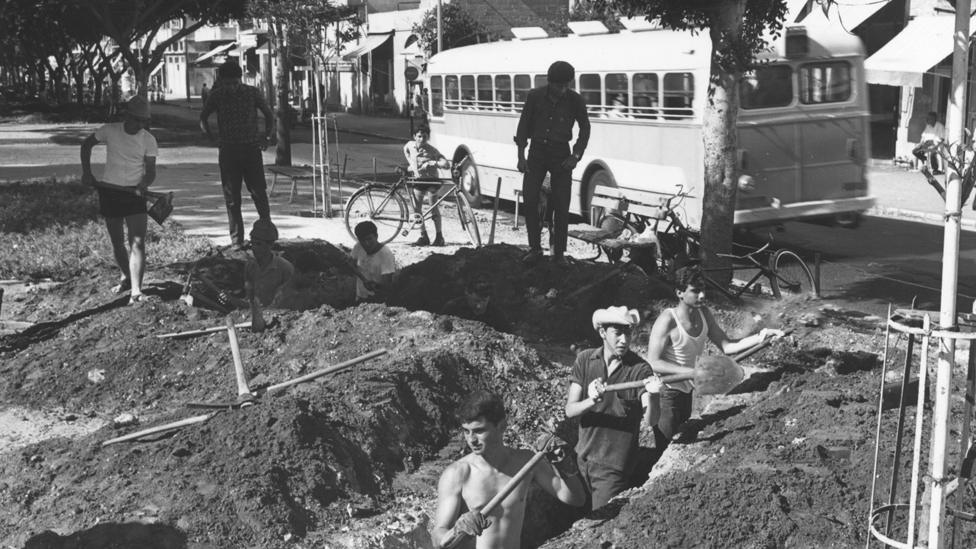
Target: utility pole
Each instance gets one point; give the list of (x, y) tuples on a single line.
[(440, 33), (186, 60), (955, 137)]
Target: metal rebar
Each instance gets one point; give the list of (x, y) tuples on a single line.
[(919, 424), (877, 431), (899, 432)]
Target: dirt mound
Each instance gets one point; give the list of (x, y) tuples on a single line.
[(542, 302)]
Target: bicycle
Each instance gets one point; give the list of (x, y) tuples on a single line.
[(386, 207), (679, 245)]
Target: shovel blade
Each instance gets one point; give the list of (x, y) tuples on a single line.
[(161, 208), (717, 375)]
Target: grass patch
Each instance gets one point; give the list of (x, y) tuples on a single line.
[(53, 230)]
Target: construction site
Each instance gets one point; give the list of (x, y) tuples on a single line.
[(351, 458)]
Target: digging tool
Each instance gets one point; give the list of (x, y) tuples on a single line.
[(714, 375), (305, 378), (162, 428), (186, 296), (494, 212), (223, 297), (349, 265), (244, 395), (758, 347), (509, 487), (587, 287), (162, 203), (203, 331)]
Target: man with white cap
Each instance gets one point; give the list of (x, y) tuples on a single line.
[(610, 421), (130, 161)]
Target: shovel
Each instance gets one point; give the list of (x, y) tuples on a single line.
[(714, 375), (162, 204)]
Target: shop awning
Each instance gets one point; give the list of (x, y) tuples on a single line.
[(921, 45), (370, 43), (849, 13), (216, 51)]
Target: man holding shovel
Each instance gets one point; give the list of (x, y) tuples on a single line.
[(610, 420), (130, 161), (677, 341), (467, 490), (267, 275)]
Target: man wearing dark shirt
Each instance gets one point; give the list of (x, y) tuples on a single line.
[(547, 119), (241, 143), (609, 425)]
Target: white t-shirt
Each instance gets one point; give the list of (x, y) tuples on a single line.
[(933, 132), (373, 266), (125, 155)]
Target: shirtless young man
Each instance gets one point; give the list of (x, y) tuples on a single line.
[(470, 482), (677, 340)]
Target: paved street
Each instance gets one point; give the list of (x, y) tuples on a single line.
[(894, 256)]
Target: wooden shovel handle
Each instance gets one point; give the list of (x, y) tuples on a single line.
[(235, 350), (674, 378), (510, 486)]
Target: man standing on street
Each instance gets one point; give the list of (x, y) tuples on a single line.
[(547, 119), (241, 144)]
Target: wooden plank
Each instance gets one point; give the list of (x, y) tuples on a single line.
[(650, 212), (602, 202), (645, 197), (300, 172), (603, 190)]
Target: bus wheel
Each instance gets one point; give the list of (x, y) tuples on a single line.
[(470, 186), (599, 177)]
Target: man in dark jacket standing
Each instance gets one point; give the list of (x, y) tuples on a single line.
[(241, 143), (547, 119)]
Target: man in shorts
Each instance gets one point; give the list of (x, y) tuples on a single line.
[(130, 161)]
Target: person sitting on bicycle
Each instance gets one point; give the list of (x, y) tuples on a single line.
[(424, 160), (678, 338)]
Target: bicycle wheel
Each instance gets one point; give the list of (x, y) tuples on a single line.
[(790, 275), (381, 205), (467, 219)]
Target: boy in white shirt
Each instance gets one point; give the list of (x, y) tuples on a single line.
[(130, 161), (376, 262), (267, 274), (932, 135)]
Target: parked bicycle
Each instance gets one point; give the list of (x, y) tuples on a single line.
[(386, 206), (678, 245)]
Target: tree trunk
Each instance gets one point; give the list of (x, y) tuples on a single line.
[(282, 118), (720, 138)]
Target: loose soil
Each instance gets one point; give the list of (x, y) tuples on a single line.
[(352, 459)]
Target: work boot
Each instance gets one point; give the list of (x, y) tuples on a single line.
[(424, 240), (532, 257), (438, 240)]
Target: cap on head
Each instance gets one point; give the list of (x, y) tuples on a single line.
[(230, 70), (619, 316), (138, 107), (561, 72), (264, 230)]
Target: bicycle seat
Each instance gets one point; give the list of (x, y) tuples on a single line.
[(747, 255)]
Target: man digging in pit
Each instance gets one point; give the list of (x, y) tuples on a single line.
[(677, 341), (609, 425), (470, 482), (267, 274), (477, 304)]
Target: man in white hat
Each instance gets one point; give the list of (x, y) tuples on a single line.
[(610, 421), (677, 339), (130, 161)]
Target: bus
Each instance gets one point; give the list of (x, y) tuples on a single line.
[(803, 125)]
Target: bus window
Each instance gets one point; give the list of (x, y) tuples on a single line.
[(467, 91), (645, 95), (540, 80), (828, 82), (617, 95), (679, 95), (452, 93), (591, 92), (485, 99), (523, 83), (503, 92), (766, 87), (436, 96)]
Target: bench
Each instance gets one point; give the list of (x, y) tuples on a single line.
[(613, 209), (294, 173)]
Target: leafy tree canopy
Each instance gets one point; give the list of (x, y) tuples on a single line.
[(459, 27)]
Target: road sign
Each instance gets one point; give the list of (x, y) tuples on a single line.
[(411, 73)]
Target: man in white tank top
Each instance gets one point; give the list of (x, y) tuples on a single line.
[(677, 340)]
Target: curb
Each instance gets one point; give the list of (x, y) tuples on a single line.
[(912, 215)]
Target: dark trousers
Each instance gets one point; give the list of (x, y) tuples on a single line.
[(242, 163), (545, 159), (675, 410), (922, 152), (602, 481)]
